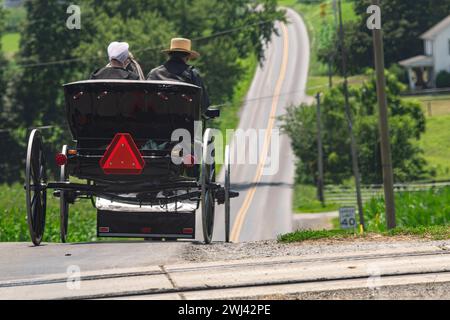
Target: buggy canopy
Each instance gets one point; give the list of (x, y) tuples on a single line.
[(145, 109)]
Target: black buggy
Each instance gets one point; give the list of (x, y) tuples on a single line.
[(124, 160)]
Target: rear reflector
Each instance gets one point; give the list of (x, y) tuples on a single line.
[(188, 230), (61, 159), (122, 156), (103, 229), (146, 230), (189, 161)]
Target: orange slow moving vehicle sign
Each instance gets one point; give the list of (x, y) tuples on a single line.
[(122, 156)]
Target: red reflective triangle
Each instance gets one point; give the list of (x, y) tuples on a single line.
[(122, 156)]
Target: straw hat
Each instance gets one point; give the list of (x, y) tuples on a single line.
[(182, 45)]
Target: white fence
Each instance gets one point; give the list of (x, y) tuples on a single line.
[(346, 196)]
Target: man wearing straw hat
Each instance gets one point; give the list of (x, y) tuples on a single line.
[(177, 69)]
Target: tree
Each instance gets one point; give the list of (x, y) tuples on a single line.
[(236, 29), (36, 95), (8, 168), (2, 61), (52, 54), (403, 23), (407, 124)]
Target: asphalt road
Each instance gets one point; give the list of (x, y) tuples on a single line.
[(264, 207)]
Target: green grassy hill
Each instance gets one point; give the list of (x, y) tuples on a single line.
[(10, 43), (311, 13), (436, 145)]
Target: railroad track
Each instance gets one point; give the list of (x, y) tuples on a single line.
[(241, 278)]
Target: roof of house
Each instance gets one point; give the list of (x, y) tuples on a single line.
[(418, 61), (433, 32)]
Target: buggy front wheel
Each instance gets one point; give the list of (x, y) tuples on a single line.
[(207, 178), (36, 187)]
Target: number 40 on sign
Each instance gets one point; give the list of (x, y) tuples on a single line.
[(347, 217)]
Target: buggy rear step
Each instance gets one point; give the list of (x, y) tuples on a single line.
[(167, 225)]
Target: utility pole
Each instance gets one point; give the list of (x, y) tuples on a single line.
[(320, 195), (386, 158), (331, 56), (353, 145)]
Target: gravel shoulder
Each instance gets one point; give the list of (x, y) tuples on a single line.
[(272, 248), (428, 291)]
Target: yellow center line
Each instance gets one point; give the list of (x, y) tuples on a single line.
[(240, 218)]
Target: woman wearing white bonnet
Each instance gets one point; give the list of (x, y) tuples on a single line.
[(118, 53)]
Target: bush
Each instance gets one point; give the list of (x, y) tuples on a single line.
[(419, 208), (400, 73), (407, 123), (443, 79)]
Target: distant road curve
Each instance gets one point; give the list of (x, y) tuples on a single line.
[(264, 207)]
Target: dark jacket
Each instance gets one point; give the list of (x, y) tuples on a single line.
[(178, 70), (114, 73)]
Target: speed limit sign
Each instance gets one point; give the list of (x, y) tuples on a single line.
[(347, 217)]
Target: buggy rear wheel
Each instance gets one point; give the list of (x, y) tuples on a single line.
[(63, 203), (35, 187), (227, 193), (207, 179)]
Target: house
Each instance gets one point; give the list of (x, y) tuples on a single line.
[(423, 69)]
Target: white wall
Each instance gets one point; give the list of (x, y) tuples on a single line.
[(441, 51), (428, 47)]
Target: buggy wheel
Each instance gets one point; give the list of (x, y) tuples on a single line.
[(207, 178), (63, 203), (35, 187), (227, 193)]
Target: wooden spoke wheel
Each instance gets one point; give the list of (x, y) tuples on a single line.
[(63, 203), (35, 187), (207, 179)]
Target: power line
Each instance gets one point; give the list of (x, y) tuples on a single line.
[(160, 47)]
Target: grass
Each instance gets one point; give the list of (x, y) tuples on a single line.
[(10, 43), (13, 221), (304, 235), (314, 22), (436, 145), (433, 105), (421, 214), (429, 233), (321, 83), (305, 201), (413, 209)]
